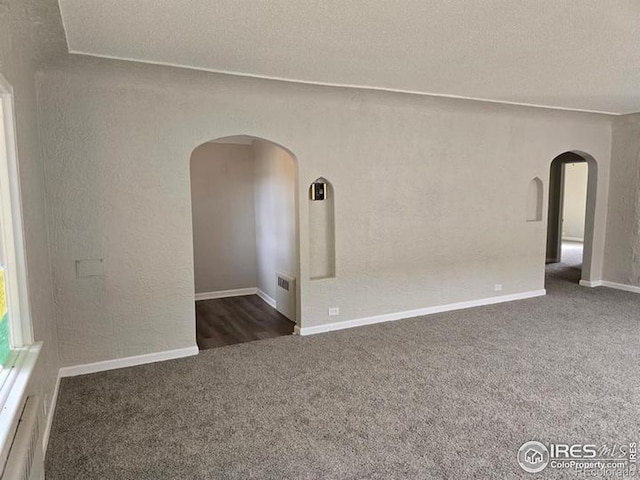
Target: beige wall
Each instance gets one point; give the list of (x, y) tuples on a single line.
[(27, 41), (622, 254), (275, 207), (414, 177), (224, 226), (575, 200)]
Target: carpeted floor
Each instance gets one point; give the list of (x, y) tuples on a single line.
[(451, 395)]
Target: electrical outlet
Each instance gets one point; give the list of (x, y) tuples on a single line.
[(333, 311), (498, 287)]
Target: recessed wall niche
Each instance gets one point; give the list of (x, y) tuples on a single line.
[(534, 200), (322, 236)]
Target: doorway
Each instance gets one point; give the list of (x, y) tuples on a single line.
[(245, 240), (572, 183)]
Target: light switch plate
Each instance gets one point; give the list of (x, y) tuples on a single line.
[(90, 267)]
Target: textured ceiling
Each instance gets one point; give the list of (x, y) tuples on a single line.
[(573, 54)]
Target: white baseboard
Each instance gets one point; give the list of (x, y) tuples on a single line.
[(573, 239), (127, 362), (605, 283), (591, 284), (621, 286), (270, 301), (52, 409), (238, 292), (389, 317)]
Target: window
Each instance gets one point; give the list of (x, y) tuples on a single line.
[(15, 322), (5, 339), (18, 353)]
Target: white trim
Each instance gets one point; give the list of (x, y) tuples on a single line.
[(13, 393), (346, 85), (17, 283), (52, 408), (269, 300), (390, 317), (127, 362), (605, 283), (238, 292), (621, 286), (573, 239)]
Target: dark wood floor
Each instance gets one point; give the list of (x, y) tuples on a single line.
[(225, 321)]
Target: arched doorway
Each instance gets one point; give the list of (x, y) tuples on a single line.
[(245, 240), (571, 213)]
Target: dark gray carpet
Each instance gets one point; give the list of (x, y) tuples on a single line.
[(445, 396)]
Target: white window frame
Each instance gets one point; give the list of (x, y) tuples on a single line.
[(16, 374), (18, 307)]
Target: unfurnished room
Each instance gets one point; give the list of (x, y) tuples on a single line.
[(278, 239)]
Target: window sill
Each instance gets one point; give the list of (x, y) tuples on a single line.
[(14, 380)]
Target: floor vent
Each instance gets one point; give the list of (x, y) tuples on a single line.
[(26, 458), (286, 296)]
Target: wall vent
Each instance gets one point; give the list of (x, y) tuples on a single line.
[(286, 296), (283, 283), (26, 457)]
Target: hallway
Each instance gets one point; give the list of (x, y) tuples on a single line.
[(227, 321), (569, 269)]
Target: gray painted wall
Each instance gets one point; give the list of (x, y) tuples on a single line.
[(224, 226), (416, 178), (275, 210), (622, 252), (554, 214)]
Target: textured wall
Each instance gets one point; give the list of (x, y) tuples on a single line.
[(622, 253), (224, 223), (30, 35), (275, 207), (415, 179)]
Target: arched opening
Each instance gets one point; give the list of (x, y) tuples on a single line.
[(245, 240), (570, 220)]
